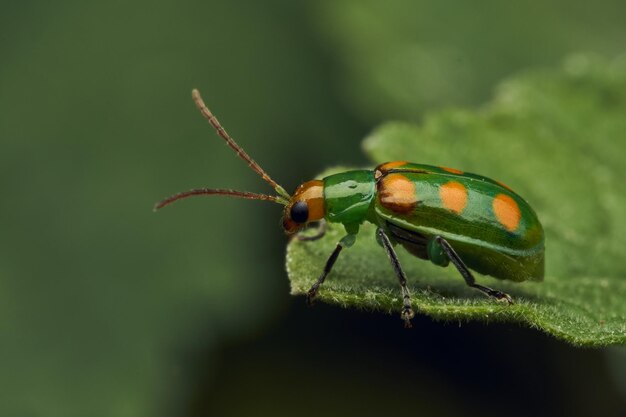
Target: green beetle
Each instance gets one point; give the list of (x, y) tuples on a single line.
[(436, 213)]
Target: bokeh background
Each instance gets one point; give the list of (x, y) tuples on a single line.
[(108, 309)]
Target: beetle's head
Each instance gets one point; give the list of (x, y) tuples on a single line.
[(306, 205)]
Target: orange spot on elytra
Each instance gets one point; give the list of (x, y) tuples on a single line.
[(507, 212), (390, 165), (454, 196), (397, 193), (452, 170), (504, 185)]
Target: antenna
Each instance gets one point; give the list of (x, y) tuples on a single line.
[(234, 146), (216, 191), (282, 197)]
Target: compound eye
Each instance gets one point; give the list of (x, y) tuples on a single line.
[(300, 212)]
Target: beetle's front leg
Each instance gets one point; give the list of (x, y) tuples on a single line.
[(345, 242), (319, 233), (407, 311)]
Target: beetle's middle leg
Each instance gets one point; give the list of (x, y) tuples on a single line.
[(407, 311), (465, 272)]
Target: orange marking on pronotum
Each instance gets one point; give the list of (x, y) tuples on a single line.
[(453, 196), (397, 193), (452, 170), (507, 212)]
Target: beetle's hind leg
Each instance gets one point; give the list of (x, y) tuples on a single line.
[(407, 311), (465, 272)]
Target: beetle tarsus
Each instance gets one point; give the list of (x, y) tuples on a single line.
[(490, 292), (310, 297), (501, 296), (406, 315)]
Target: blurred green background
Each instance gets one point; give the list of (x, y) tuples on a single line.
[(107, 309)]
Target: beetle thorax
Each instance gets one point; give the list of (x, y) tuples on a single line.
[(349, 196)]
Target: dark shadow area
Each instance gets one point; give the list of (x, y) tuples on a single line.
[(330, 361)]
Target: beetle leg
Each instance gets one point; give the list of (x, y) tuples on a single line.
[(467, 275), (320, 232), (347, 241), (407, 311)]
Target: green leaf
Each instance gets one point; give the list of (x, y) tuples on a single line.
[(558, 138)]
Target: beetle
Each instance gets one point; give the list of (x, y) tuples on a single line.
[(436, 213)]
